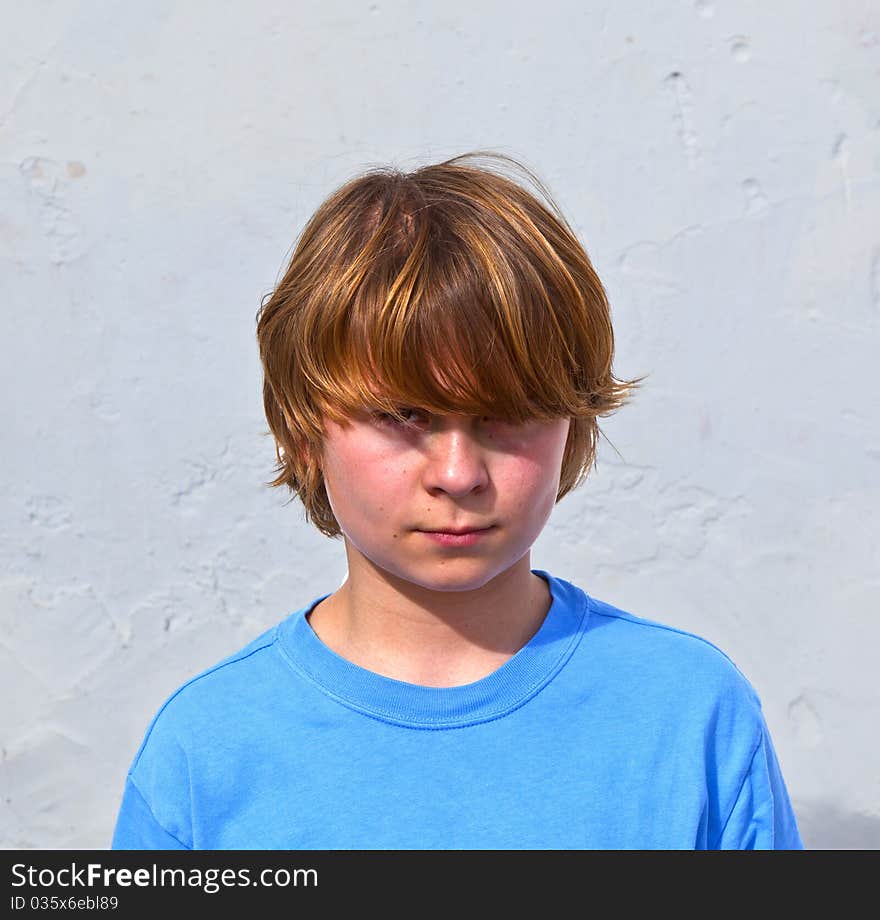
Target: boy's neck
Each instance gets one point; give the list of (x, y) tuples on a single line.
[(430, 638)]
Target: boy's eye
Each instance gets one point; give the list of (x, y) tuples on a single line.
[(388, 418), (410, 417)]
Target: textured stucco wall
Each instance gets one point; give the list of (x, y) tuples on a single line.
[(721, 162)]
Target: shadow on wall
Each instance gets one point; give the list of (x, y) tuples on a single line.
[(826, 827)]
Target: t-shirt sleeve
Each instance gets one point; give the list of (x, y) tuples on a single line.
[(156, 808), (137, 827), (762, 817)]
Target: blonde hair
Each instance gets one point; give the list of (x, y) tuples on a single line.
[(451, 288)]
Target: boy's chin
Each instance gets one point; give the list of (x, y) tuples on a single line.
[(452, 576)]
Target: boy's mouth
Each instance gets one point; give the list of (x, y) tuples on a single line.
[(458, 531), (461, 538)]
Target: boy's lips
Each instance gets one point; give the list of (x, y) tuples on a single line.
[(461, 539), (455, 530)]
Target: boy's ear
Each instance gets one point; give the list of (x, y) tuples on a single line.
[(302, 451), (308, 455)]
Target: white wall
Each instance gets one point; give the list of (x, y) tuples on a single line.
[(721, 162)]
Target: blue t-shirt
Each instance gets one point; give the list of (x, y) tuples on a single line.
[(605, 731)]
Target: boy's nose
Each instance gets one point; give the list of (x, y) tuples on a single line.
[(455, 461)]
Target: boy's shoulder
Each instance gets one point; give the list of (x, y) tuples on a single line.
[(631, 644), (235, 667), (223, 693)]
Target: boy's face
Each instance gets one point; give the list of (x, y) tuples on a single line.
[(390, 483)]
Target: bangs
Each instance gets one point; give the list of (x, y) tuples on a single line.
[(450, 309)]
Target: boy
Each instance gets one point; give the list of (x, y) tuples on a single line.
[(435, 360)]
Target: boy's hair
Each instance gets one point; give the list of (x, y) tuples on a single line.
[(450, 288)]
